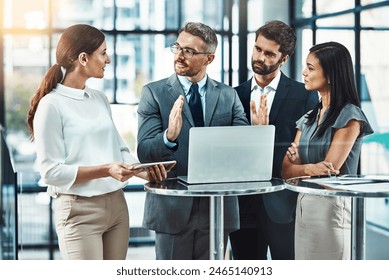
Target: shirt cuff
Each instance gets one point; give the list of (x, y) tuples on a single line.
[(170, 145)]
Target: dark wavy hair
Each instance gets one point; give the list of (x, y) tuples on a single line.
[(74, 40), (281, 33), (335, 59)]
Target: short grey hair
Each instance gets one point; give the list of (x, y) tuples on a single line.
[(203, 31)]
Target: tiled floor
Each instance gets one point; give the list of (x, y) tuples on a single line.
[(141, 253), (377, 248), (377, 243), (377, 230), (133, 253)]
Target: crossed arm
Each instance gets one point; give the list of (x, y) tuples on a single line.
[(341, 145)]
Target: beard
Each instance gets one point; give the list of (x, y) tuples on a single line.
[(262, 69), (183, 69)]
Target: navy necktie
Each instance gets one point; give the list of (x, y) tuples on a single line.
[(195, 105)]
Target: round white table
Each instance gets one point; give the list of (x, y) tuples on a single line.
[(356, 187), (215, 192)]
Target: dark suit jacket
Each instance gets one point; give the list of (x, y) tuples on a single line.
[(291, 101), (169, 214)]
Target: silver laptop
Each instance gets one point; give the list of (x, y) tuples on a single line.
[(230, 154)]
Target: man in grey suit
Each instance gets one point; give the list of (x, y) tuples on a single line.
[(165, 117), (267, 221)]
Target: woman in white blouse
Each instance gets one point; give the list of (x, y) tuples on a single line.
[(82, 158)]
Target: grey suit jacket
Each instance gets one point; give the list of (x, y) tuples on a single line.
[(169, 214)]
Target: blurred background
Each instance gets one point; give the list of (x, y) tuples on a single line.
[(138, 34)]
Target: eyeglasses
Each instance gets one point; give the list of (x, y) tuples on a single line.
[(187, 53)]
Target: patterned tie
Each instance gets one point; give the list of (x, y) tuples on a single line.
[(195, 105)]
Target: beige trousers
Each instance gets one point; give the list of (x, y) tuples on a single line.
[(323, 227), (92, 228)]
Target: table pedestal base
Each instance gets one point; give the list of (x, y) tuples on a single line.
[(216, 228), (358, 229)]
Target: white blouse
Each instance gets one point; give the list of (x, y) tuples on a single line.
[(74, 128)]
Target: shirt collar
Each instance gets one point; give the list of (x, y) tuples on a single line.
[(186, 84), (72, 92), (273, 84)]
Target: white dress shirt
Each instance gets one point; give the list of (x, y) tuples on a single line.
[(74, 128), (270, 90)]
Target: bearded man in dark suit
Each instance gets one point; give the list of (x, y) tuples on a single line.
[(267, 220)]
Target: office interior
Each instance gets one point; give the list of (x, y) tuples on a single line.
[(138, 34)]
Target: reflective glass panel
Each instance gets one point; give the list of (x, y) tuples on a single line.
[(375, 103), (346, 20), (345, 37), (367, 2), (126, 121), (301, 51), (375, 97), (250, 46), (25, 14), (375, 17), (225, 60), (214, 69), (98, 13), (205, 11), (303, 8), (25, 64), (330, 6), (140, 60), (146, 15), (255, 14), (234, 62)]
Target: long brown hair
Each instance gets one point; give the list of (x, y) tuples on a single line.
[(74, 40)]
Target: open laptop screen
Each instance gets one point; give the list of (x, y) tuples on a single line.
[(230, 154)]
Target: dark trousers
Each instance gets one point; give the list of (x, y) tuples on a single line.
[(192, 243), (252, 243)]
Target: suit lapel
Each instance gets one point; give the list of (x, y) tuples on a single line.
[(281, 93), (211, 98), (245, 97), (175, 90)]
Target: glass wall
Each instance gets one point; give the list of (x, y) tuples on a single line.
[(8, 204)]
